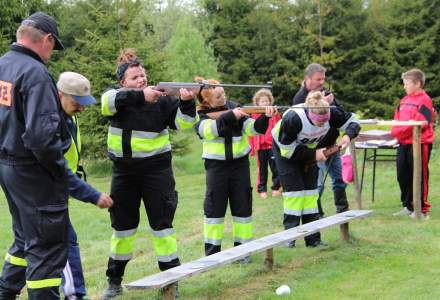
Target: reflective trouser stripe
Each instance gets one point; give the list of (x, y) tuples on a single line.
[(121, 244), (44, 283), (242, 229), (299, 203), (16, 261), (213, 230), (165, 245)]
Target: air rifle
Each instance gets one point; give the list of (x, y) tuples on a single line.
[(172, 88), (258, 110)]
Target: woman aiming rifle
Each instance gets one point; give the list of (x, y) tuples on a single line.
[(139, 146), (225, 151)]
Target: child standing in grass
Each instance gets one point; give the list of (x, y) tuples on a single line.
[(261, 145), (416, 106)]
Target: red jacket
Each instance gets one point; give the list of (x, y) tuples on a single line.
[(416, 107), (262, 142)]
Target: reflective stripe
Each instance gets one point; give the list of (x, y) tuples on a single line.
[(146, 134), (15, 260), (151, 153), (108, 107), (352, 119), (215, 149), (121, 256), (213, 242), (143, 143), (242, 229), (242, 220), (214, 220), (293, 194), (293, 212), (183, 121), (309, 211), (121, 244), (44, 283), (167, 258), (248, 127), (163, 233), (124, 233), (164, 242)]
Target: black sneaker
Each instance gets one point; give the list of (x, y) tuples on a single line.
[(113, 290), (291, 244), (319, 245)]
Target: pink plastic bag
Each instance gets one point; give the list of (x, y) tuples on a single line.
[(347, 168)]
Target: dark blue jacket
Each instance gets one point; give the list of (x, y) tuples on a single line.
[(32, 129)]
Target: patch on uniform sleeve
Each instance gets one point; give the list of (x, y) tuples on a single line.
[(5, 93)]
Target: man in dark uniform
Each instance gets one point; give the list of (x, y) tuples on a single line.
[(314, 80), (33, 172)]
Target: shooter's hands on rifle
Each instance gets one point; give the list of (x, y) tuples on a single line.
[(151, 95), (238, 113), (320, 154), (186, 95), (271, 110), (344, 142)]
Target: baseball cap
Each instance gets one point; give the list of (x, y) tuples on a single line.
[(45, 23), (77, 86)]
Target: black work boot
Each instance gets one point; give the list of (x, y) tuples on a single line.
[(341, 201), (114, 288)]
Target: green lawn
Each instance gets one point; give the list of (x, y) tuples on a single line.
[(388, 257)]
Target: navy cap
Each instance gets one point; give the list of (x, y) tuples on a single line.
[(46, 24)]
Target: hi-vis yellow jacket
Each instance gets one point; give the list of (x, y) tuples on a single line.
[(226, 138), (139, 129)]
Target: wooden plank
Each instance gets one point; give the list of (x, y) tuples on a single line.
[(417, 171), (204, 264)]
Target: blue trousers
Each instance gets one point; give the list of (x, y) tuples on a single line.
[(334, 164), (72, 278)]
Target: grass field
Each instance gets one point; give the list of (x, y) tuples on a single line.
[(387, 258)]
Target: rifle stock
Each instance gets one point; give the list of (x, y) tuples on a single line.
[(258, 110), (328, 151)]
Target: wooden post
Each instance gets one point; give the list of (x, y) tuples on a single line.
[(268, 260), (345, 234), (169, 292), (417, 172), (357, 188)]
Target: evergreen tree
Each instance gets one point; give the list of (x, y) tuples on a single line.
[(188, 55)]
